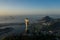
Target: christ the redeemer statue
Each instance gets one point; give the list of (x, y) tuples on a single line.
[(26, 23)]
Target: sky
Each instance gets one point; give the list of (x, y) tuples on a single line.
[(29, 7)]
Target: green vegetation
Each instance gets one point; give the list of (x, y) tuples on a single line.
[(33, 37)]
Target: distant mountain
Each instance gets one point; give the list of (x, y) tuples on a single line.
[(47, 19)]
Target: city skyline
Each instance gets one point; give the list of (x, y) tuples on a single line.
[(29, 7)]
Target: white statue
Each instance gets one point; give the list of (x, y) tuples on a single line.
[(26, 23)]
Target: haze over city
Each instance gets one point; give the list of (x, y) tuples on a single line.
[(29, 7)]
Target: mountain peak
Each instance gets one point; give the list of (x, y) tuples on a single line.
[(47, 18)]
